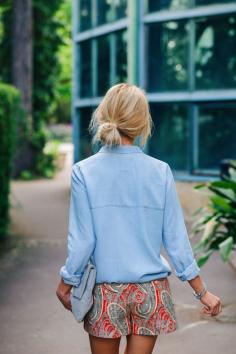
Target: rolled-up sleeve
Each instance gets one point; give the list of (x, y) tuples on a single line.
[(174, 236), (81, 238)]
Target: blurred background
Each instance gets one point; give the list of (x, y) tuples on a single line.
[(57, 60)]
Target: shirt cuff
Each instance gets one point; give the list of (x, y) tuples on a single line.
[(70, 279), (190, 272)]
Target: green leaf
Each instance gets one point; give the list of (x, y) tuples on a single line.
[(225, 248), (220, 203), (232, 172), (203, 259), (198, 186), (225, 193), (224, 184)]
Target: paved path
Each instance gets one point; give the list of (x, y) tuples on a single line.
[(32, 319)]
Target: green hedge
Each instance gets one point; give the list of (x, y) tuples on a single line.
[(9, 109)]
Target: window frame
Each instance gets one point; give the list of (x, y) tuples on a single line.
[(191, 97)]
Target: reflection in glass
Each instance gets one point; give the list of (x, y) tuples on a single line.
[(120, 8), (84, 15), (121, 56), (103, 64), (85, 148), (157, 5), (105, 13), (210, 2), (170, 134), (167, 56), (111, 10), (85, 82), (215, 52), (217, 132)]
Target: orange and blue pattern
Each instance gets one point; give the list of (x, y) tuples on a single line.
[(131, 308)]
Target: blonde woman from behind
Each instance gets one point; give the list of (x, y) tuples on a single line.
[(124, 206)]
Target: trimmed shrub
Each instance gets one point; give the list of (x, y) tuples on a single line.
[(9, 109)]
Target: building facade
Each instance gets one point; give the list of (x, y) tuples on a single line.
[(183, 54)]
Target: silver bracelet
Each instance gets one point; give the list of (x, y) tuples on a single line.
[(202, 292)]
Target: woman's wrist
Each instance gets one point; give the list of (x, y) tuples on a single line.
[(201, 293), (197, 284), (204, 295), (64, 288)]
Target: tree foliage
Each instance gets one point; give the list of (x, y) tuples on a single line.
[(62, 108), (5, 40), (46, 64), (51, 56)]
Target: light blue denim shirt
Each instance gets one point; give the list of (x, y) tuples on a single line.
[(123, 207)]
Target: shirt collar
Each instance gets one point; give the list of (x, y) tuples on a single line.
[(121, 149)]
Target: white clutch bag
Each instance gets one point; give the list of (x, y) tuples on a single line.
[(82, 296)]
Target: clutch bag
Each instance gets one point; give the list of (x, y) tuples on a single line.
[(82, 296)]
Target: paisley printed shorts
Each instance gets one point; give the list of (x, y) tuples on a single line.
[(120, 309)]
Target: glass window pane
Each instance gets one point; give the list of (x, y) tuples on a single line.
[(85, 83), (121, 56), (169, 140), (157, 5), (217, 132), (167, 56), (105, 12), (120, 8), (215, 52), (103, 64), (85, 148), (85, 12)]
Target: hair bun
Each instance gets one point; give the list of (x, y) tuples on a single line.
[(108, 133), (108, 125), (123, 111)]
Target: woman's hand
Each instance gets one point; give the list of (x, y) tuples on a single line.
[(63, 294), (212, 304)]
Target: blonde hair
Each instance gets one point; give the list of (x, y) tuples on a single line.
[(124, 110)]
